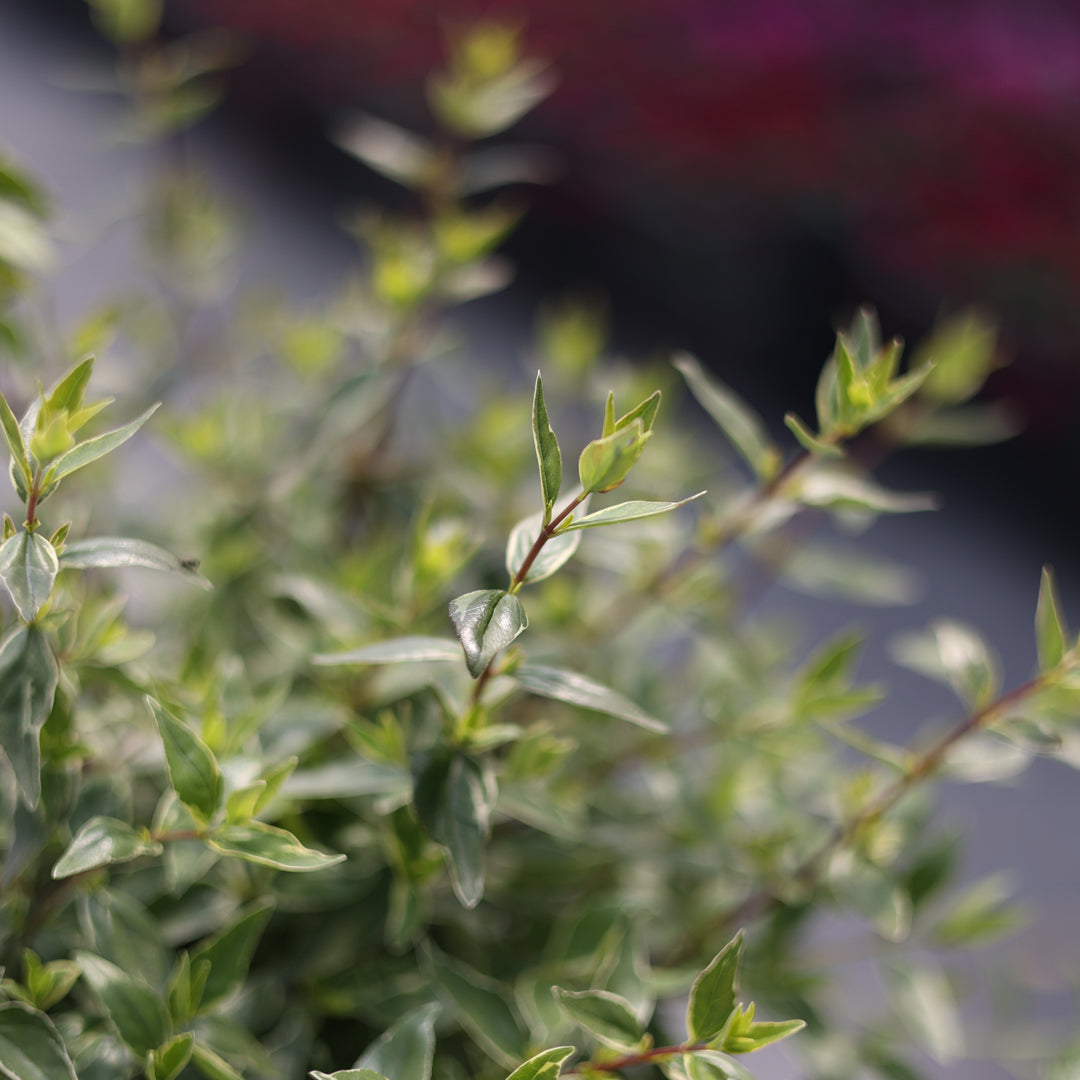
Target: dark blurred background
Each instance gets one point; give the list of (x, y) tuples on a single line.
[(735, 179)]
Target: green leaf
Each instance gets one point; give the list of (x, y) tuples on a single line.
[(835, 570), (168, 1061), (733, 416), (627, 511), (193, 769), (543, 1066), (14, 438), (481, 1006), (478, 111), (710, 1065), (1049, 627), (406, 1049), (609, 1017), (30, 1046), (982, 914), (645, 412), (348, 779), (575, 689), (48, 983), (609, 415), (391, 151), (135, 1011), (761, 1033), (605, 462), (810, 442), (88, 451), (185, 987), (547, 450), (126, 22), (123, 552), (242, 803), (118, 928), (486, 621), (837, 487), (101, 842), (67, 395), (712, 997), (395, 651), (963, 352), (269, 846), (954, 654), (454, 796), (28, 678), (229, 953), (211, 1065), (554, 554), (346, 1074), (925, 1004), (28, 569)]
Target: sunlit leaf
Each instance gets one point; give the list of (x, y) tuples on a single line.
[(486, 621), (100, 842)]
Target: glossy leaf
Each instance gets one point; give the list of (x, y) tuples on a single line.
[(543, 1066), (229, 953), (193, 768), (606, 1015), (712, 997), (575, 689), (486, 621), (30, 1046), (395, 651), (404, 1051), (122, 552), (481, 1005), (103, 841), (733, 416), (88, 451), (269, 846), (28, 569), (28, 678), (1049, 626), (555, 553), (454, 797), (627, 511), (135, 1011), (548, 455)]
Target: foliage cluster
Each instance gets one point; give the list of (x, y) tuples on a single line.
[(352, 804)]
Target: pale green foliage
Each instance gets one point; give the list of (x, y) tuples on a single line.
[(353, 803)]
